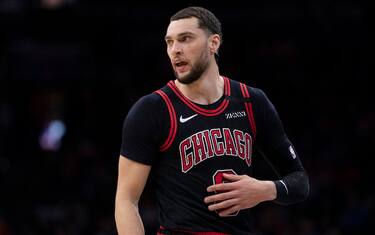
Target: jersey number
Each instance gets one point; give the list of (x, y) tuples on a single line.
[(218, 178)]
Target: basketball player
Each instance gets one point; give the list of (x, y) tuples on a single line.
[(195, 138)]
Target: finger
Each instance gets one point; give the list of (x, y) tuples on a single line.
[(232, 177), (222, 205), (219, 197), (221, 187), (231, 211)]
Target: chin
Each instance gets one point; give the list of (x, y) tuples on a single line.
[(182, 77), (187, 79)]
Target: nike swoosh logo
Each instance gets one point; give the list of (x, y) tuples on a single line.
[(182, 120)]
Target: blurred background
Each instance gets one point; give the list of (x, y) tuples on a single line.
[(71, 69)]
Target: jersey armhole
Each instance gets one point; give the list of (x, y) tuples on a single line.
[(249, 108), (172, 119)]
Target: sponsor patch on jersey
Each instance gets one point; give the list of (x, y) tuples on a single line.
[(238, 114), (291, 150)]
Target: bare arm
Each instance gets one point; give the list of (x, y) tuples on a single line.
[(132, 178)]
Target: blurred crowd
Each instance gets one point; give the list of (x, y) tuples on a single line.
[(71, 69)]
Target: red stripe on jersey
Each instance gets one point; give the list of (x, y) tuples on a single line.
[(163, 231), (249, 108), (193, 233), (252, 119), (173, 121), (200, 110), (226, 86), (251, 112)]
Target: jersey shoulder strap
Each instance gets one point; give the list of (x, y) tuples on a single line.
[(165, 95), (242, 92)]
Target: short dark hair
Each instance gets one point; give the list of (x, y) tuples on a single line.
[(206, 19)]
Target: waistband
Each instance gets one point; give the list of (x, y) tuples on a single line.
[(165, 231)]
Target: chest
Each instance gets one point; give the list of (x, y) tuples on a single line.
[(221, 138)]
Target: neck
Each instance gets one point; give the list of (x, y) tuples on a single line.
[(205, 90)]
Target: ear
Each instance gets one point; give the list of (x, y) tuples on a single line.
[(214, 43)]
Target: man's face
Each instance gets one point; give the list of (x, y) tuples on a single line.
[(187, 48)]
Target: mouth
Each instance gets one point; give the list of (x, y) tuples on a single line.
[(180, 63), (180, 66)]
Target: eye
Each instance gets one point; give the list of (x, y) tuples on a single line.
[(169, 42), (185, 38)]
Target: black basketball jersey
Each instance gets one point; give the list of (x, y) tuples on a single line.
[(201, 145), (190, 146)]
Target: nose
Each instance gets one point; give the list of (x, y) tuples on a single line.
[(176, 48)]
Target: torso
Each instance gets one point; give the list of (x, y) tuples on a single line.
[(203, 142)]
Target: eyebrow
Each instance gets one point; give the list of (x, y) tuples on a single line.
[(179, 35)]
